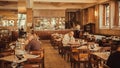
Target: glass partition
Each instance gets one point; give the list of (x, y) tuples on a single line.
[(49, 23)]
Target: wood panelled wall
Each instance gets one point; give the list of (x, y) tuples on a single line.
[(29, 18), (49, 13), (85, 16), (91, 14), (110, 32)]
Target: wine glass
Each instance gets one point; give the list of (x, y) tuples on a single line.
[(14, 64), (12, 48)]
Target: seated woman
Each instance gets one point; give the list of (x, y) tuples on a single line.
[(114, 58)]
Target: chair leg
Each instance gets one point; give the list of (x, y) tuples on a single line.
[(78, 65), (67, 56), (74, 65), (86, 65), (71, 62), (43, 65), (89, 65)]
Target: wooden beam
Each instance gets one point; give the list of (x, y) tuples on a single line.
[(8, 0), (102, 1), (29, 3), (60, 6), (21, 6), (6, 7), (68, 1)]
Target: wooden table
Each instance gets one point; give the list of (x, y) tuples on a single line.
[(83, 47), (14, 59), (103, 55)]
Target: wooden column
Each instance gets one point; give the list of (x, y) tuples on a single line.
[(21, 12), (29, 23), (29, 19), (22, 6)]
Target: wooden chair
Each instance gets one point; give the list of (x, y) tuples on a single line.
[(65, 52), (60, 47), (31, 66), (3, 63), (105, 66), (82, 57), (104, 49), (94, 61), (36, 62), (5, 54)]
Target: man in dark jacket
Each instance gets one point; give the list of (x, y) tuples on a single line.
[(114, 59)]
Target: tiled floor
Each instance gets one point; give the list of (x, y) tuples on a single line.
[(52, 58)]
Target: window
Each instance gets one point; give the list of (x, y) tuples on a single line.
[(107, 16), (104, 13)]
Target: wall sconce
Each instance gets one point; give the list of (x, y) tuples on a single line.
[(96, 14)]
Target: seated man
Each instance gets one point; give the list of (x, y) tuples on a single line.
[(114, 59), (33, 44), (68, 38)]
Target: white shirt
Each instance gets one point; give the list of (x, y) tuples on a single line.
[(67, 39)]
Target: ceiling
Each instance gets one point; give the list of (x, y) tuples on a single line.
[(50, 4)]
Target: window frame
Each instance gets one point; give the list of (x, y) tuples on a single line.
[(103, 16)]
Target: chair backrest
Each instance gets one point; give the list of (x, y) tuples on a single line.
[(94, 61), (104, 49), (105, 66), (38, 59), (83, 54)]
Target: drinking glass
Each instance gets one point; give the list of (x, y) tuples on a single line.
[(14, 64)]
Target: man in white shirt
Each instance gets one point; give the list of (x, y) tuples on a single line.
[(68, 38)]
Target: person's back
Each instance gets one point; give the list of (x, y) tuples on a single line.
[(114, 58), (33, 44)]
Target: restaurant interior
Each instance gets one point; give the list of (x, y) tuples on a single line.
[(95, 25)]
